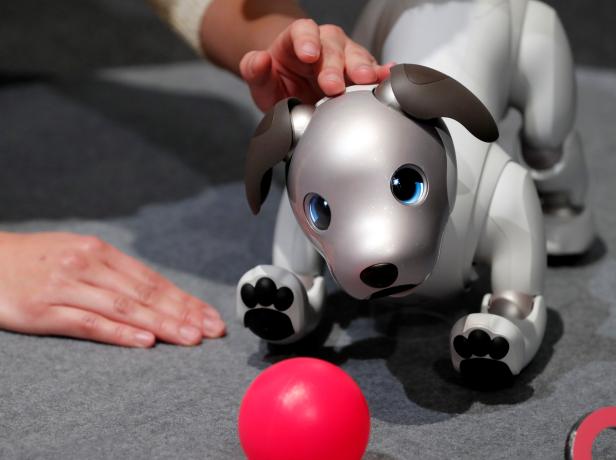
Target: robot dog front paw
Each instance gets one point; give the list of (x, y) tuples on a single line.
[(267, 323), (487, 349), (485, 368), (273, 304)]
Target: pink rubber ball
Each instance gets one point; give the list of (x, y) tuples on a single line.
[(304, 409)]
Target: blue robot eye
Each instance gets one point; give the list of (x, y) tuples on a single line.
[(317, 210), (408, 185)]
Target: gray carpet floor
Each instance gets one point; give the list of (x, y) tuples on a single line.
[(150, 159)]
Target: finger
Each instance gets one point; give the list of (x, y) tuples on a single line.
[(123, 263), (256, 70), (156, 296), (151, 295), (80, 324), (305, 39), (123, 309), (361, 67), (384, 70), (255, 67), (331, 66)]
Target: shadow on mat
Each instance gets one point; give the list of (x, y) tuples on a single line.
[(96, 149), (597, 251), (414, 343)]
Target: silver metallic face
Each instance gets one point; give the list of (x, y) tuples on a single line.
[(368, 186)]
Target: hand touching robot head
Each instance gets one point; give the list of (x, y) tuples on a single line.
[(371, 174)]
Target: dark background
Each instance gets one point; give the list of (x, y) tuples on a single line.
[(75, 36)]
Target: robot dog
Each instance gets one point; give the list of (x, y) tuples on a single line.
[(509, 53), (396, 200)]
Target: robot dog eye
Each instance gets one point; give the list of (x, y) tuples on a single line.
[(317, 210), (408, 185)]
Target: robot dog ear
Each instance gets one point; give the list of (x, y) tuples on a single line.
[(270, 144), (425, 93)]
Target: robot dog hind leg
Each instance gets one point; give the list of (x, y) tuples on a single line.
[(544, 89)]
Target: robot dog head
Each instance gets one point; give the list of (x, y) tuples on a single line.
[(371, 175)]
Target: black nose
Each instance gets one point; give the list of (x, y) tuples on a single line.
[(379, 275)]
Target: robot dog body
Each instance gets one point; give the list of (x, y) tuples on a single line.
[(509, 53), (397, 201)]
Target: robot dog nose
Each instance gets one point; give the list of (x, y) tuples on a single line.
[(379, 275)]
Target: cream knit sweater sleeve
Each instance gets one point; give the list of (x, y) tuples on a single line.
[(184, 16)]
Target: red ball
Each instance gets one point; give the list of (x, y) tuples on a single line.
[(304, 409)]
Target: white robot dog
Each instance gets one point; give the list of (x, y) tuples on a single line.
[(397, 200)]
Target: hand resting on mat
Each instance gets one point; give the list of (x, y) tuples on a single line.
[(79, 286)]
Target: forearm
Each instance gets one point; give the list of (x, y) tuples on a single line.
[(185, 17), (225, 30), (231, 28), (270, 45)]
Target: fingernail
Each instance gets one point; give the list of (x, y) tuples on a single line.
[(213, 327), (144, 339), (364, 68), (310, 49), (251, 64), (190, 333), (211, 313), (332, 77)]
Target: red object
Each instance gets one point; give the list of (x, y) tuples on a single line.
[(304, 409), (584, 433)]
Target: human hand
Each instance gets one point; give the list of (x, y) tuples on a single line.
[(79, 286), (308, 61)]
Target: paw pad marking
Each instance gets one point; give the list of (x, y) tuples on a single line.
[(265, 293), (479, 344), (264, 322)]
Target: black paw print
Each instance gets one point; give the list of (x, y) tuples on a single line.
[(268, 324), (480, 344), (483, 373), (264, 293)]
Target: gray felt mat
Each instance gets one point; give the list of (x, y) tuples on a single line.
[(150, 159)]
